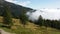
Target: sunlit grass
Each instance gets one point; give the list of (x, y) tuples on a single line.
[(30, 28)]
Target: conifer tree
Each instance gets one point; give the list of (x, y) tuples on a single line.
[(23, 17), (7, 16), (40, 20)]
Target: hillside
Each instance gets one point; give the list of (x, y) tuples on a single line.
[(16, 10), (29, 28)]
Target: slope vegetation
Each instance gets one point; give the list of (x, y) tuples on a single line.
[(29, 28)]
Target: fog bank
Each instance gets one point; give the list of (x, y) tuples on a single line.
[(52, 14)]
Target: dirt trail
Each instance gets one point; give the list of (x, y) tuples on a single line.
[(4, 32)]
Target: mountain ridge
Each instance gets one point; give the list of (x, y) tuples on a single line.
[(15, 9)]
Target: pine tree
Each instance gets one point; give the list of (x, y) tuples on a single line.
[(23, 17), (40, 20), (7, 16)]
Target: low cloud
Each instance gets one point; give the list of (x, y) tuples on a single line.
[(52, 14)]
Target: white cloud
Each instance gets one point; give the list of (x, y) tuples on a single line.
[(25, 3), (34, 15), (13, 1), (51, 14)]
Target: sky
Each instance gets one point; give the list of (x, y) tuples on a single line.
[(50, 8), (37, 4)]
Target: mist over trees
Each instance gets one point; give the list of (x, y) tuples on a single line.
[(48, 23)]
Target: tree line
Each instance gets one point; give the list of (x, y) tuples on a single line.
[(48, 23)]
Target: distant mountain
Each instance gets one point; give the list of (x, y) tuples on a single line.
[(16, 10)]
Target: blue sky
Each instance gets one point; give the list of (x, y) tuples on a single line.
[(45, 4), (37, 4)]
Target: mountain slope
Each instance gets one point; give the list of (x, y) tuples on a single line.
[(16, 10), (30, 28)]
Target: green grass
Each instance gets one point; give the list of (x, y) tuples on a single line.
[(30, 30), (22, 30), (40, 30)]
